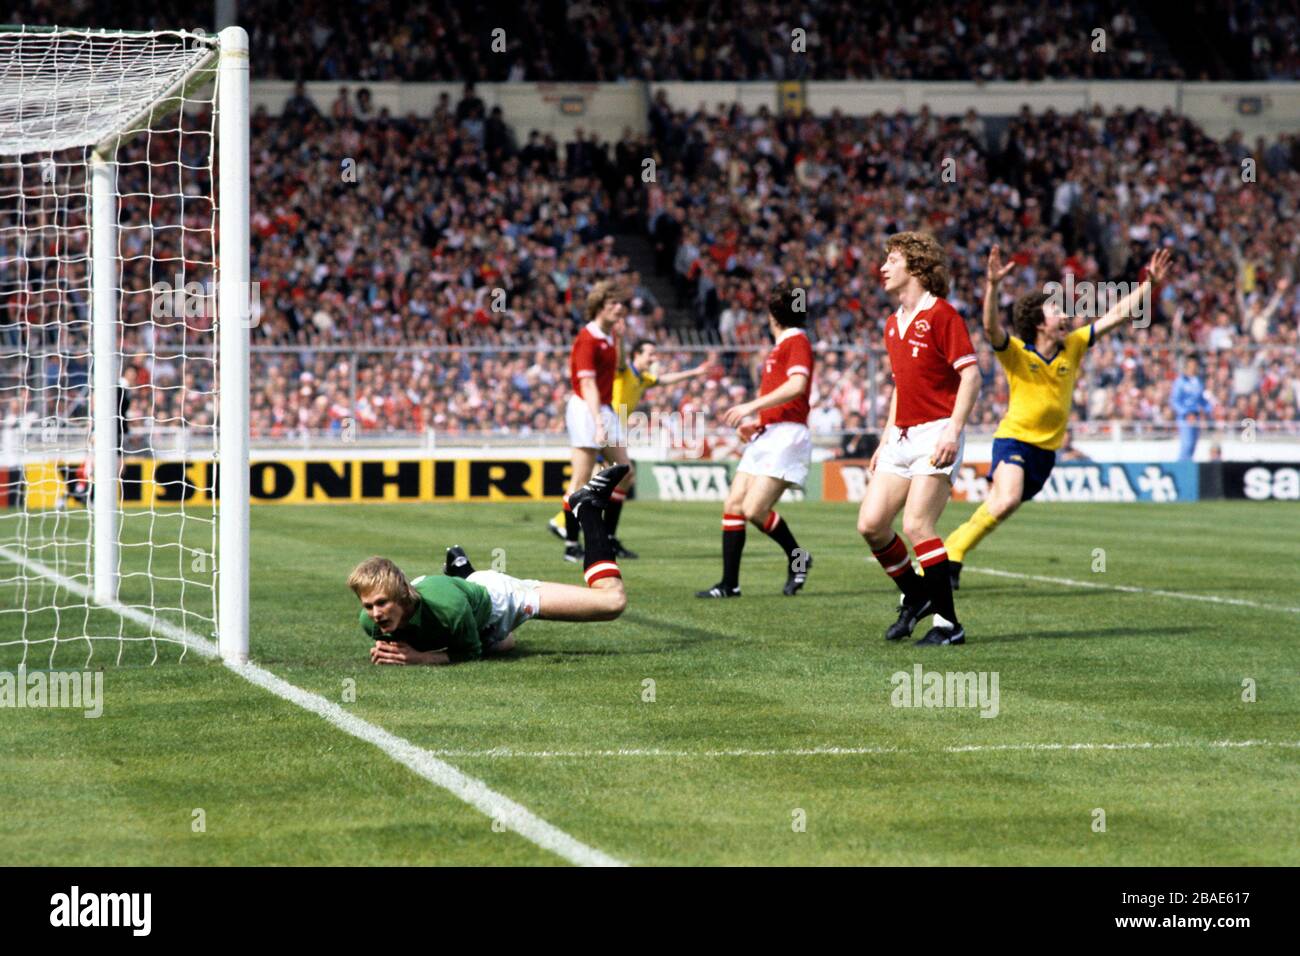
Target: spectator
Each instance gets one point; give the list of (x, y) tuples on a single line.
[(1189, 403), (857, 443), (342, 106), (300, 106), (826, 419)]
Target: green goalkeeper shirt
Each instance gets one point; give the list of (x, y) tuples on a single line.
[(451, 614)]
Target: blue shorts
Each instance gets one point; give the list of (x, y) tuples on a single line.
[(1037, 463)]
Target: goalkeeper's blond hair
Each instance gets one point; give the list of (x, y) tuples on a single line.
[(380, 574)]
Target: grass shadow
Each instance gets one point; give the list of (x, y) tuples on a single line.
[(685, 637)]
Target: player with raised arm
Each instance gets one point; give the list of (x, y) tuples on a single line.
[(639, 373), (779, 447), (936, 381), (463, 614), (593, 427), (1042, 361)]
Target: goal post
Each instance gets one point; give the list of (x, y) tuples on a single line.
[(125, 315), (233, 323), (104, 371)]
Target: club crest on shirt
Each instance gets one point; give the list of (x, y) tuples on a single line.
[(921, 326)]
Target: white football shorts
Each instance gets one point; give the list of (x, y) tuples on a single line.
[(514, 602), (907, 452), (582, 427), (783, 450)]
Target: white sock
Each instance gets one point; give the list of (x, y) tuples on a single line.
[(941, 621)]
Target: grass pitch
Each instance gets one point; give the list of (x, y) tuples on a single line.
[(771, 737)]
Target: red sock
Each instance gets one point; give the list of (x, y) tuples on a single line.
[(894, 559), (931, 552), (776, 528), (598, 570), (938, 581), (733, 546)]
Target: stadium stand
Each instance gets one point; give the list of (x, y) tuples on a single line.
[(424, 40)]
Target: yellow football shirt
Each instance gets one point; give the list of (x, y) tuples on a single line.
[(1042, 391), (629, 386)]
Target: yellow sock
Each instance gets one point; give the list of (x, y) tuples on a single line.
[(970, 534), (559, 517)]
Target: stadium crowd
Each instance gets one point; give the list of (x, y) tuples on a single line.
[(429, 40), (743, 199), (755, 40), (697, 40), (1268, 33), (455, 232), (1085, 196)]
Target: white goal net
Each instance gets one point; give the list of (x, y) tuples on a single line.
[(110, 333)]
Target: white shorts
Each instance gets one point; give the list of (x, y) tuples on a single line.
[(582, 427), (908, 456), (514, 601), (783, 450)]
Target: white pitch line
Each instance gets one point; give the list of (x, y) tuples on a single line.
[(506, 752), (424, 763), (1181, 595), (475, 792), (191, 640)]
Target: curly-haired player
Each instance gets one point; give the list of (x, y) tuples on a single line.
[(1042, 360), (936, 381)]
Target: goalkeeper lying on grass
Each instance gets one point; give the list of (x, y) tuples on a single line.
[(463, 614)]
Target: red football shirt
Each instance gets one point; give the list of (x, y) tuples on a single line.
[(925, 355), (792, 355), (594, 355)]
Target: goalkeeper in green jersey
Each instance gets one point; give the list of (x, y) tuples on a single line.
[(463, 614)]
